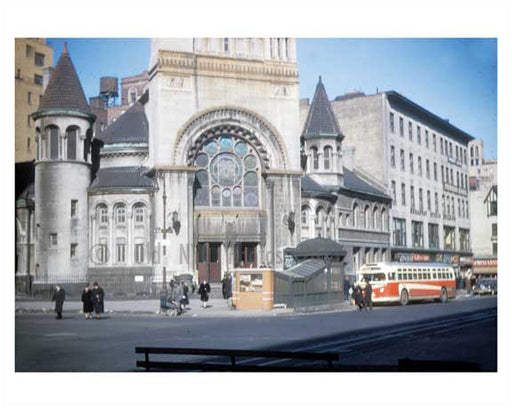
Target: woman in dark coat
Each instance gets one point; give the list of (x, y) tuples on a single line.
[(87, 300), (59, 297), (98, 296), (204, 291), (358, 296)]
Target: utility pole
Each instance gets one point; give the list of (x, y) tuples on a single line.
[(164, 232)]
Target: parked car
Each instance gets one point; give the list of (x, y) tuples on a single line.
[(486, 287)]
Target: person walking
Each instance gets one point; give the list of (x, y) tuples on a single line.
[(358, 297), (204, 292), (229, 286), (59, 296), (88, 303), (368, 304), (224, 283), (98, 298), (184, 290)]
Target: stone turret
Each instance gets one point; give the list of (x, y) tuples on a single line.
[(62, 176), (321, 141)]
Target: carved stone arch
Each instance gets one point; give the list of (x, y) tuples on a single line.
[(234, 120)]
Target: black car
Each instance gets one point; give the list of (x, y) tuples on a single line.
[(486, 287)]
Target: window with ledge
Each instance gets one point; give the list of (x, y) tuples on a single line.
[(29, 51), (410, 130), (392, 156), (417, 234), (139, 253), (393, 191), (139, 212), (427, 168), (53, 240), (399, 232), (420, 167), (73, 251), (428, 201), (494, 230), (102, 214), (71, 137), (39, 59), (327, 157), (226, 45), (401, 122), (418, 134), (435, 171), (402, 160), (420, 198), (120, 214), (426, 139), (403, 195), (392, 122), (74, 208), (120, 253), (29, 98), (495, 248), (52, 136), (413, 205), (314, 151), (38, 79), (411, 163), (434, 142)]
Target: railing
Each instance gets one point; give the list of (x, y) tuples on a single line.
[(232, 354)]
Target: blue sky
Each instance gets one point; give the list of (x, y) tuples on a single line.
[(453, 78)]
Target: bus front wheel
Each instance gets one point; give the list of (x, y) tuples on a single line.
[(444, 295), (404, 297)]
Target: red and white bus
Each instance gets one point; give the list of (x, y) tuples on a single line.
[(403, 282)]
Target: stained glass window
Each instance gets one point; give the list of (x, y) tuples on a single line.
[(228, 175)]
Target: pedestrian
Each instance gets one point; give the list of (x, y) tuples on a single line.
[(59, 296), (229, 286), (98, 298), (223, 281), (88, 302), (368, 304), (184, 290), (358, 297), (204, 292)]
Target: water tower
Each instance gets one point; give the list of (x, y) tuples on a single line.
[(108, 90)]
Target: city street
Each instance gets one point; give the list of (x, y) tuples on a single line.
[(464, 329)]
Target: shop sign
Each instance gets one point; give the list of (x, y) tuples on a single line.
[(420, 257), (403, 257), (454, 260), (485, 262), (139, 278)]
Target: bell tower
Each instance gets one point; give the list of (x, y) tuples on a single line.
[(62, 176), (321, 141)]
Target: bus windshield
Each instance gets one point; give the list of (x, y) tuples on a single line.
[(374, 277)]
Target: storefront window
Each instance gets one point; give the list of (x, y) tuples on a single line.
[(399, 232), (417, 234)]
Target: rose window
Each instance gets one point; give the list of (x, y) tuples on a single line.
[(228, 173)]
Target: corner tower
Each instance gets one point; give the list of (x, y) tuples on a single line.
[(321, 141), (62, 175)]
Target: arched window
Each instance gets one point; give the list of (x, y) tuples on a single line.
[(384, 218), (305, 216), (102, 214), (376, 224), (355, 215), (38, 142), (229, 173), (314, 150), (52, 137), (139, 211), (367, 217), (71, 136), (120, 214), (319, 221), (327, 157)]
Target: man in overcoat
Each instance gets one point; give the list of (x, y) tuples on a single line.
[(98, 298), (59, 297)]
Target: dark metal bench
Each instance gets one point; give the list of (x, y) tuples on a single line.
[(232, 354)]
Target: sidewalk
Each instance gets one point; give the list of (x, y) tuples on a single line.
[(215, 308)]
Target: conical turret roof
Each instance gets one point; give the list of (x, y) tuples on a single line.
[(321, 121), (64, 91)]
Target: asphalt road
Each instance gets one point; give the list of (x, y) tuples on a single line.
[(74, 344)]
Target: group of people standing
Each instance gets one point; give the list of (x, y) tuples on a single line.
[(92, 300), (362, 295)]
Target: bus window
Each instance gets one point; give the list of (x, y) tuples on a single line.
[(428, 276), (391, 276), (434, 275), (409, 276), (425, 276)]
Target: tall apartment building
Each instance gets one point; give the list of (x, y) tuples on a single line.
[(483, 192), (32, 56), (423, 161)]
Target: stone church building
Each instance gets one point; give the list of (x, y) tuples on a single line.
[(210, 169)]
